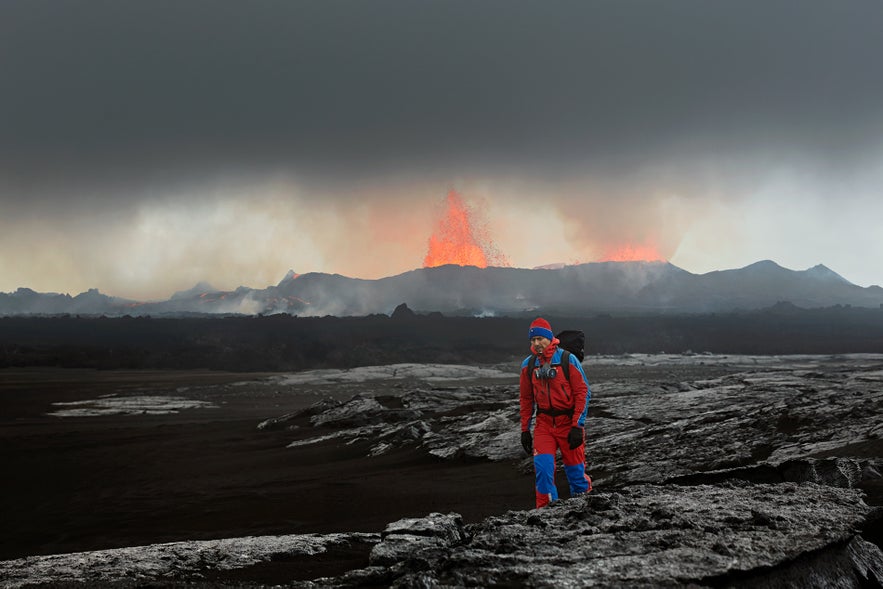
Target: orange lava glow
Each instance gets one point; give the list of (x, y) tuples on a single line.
[(632, 253), (457, 239)]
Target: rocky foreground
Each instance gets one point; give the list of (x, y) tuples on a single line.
[(767, 476)]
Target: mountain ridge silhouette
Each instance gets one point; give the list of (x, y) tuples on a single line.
[(591, 288)]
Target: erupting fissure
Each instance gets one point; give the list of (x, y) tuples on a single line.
[(460, 239)]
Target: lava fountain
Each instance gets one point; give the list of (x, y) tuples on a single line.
[(461, 238)]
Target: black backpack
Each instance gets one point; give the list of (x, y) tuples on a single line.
[(573, 342)]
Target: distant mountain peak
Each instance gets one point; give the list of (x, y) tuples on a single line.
[(822, 272), (290, 275), (764, 265), (198, 289)]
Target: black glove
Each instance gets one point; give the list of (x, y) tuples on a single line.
[(575, 437), (527, 443)]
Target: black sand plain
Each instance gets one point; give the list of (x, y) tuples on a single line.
[(85, 483)]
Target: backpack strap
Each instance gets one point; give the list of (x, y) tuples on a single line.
[(565, 363), (530, 366)]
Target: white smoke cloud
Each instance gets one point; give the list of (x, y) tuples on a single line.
[(710, 215)]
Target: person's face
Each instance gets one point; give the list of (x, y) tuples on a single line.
[(539, 343)]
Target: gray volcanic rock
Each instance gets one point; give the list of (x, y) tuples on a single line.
[(408, 536), (128, 405), (157, 563), (759, 417), (642, 536), (757, 421), (468, 421)]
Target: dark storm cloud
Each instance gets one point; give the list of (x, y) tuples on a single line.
[(106, 92)]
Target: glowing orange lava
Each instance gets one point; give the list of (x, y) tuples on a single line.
[(457, 239), (632, 253)]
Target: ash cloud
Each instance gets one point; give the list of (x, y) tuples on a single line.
[(607, 121), (395, 85)]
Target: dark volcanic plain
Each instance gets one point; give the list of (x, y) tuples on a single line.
[(380, 452), (285, 342)]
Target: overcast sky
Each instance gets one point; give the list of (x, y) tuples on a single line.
[(145, 146)]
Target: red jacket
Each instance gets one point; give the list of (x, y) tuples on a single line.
[(558, 393)]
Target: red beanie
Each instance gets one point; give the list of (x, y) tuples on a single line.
[(540, 327)]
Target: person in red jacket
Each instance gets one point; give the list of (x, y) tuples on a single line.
[(560, 399)]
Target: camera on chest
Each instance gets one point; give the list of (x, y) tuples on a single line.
[(545, 372)]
